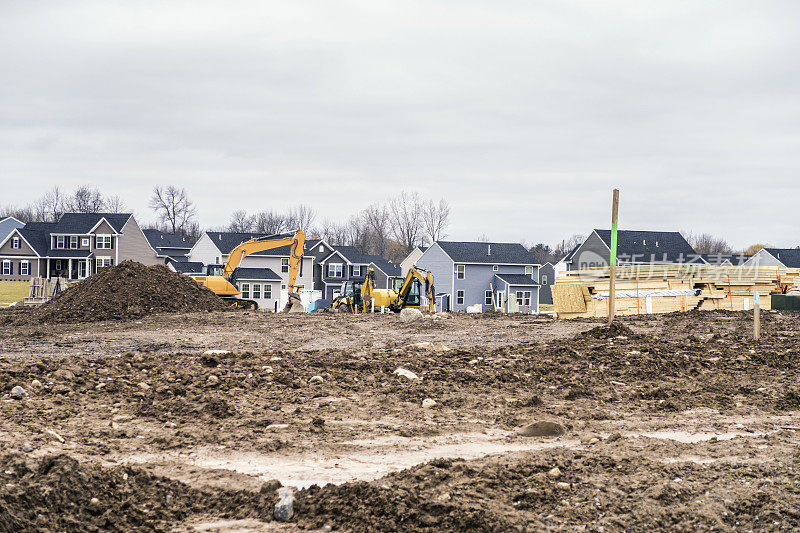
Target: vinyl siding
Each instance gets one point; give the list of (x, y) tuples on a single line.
[(435, 260), (133, 245), (592, 253), (23, 249), (545, 295), (764, 258), (264, 304)]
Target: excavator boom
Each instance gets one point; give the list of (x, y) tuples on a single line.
[(259, 244)]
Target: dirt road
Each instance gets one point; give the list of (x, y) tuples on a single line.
[(675, 423)]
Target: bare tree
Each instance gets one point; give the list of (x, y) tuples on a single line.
[(114, 204), (542, 253), (755, 248), (335, 233), (705, 243), (436, 218), (240, 222), (302, 216), (23, 214), (483, 238), (85, 199), (52, 205), (375, 224), (566, 246), (173, 207), (269, 223), (405, 215)]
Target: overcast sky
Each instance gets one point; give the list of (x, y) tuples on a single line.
[(523, 115)]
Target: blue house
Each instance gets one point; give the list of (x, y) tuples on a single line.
[(496, 275)]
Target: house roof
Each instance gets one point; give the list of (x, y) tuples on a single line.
[(788, 256), (70, 254), (718, 259), (159, 239), (352, 254), (259, 274), (567, 258), (188, 267), (388, 268), (487, 252), (646, 244), (226, 241), (83, 223), (37, 234), (517, 279), (7, 225)]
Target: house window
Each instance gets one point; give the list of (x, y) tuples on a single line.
[(15, 242), (85, 242), (334, 270), (488, 298), (267, 291), (529, 271), (524, 298), (495, 268), (6, 268), (73, 242), (58, 264), (460, 297), (103, 242), (101, 262), (60, 242), (321, 249), (283, 286), (460, 271), (256, 291), (357, 271), (544, 279), (284, 264), (24, 268), (246, 291)]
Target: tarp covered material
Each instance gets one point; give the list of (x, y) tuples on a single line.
[(647, 294)]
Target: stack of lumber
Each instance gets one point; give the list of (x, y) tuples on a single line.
[(642, 289)]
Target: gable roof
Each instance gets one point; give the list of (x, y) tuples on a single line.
[(788, 256), (7, 225), (646, 244), (509, 253), (83, 223), (37, 235), (352, 255), (266, 274), (517, 279), (388, 268), (159, 239), (226, 241), (187, 267)]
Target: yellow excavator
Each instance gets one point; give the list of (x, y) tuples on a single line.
[(363, 297), (221, 279)]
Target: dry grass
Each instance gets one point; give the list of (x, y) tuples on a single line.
[(13, 291)]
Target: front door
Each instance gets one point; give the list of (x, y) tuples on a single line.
[(82, 270)]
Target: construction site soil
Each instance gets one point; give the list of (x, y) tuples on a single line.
[(190, 422)]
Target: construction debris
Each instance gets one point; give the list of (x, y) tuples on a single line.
[(647, 289)]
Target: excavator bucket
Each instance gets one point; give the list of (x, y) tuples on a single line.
[(294, 305)]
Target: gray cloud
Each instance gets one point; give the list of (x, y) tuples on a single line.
[(522, 114)]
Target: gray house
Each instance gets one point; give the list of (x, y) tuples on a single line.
[(168, 245), (346, 263), (75, 247), (494, 275), (776, 257), (547, 275), (659, 247)]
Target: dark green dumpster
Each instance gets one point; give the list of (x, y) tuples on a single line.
[(786, 302)]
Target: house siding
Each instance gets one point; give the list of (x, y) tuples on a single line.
[(763, 258), (17, 256), (264, 304), (436, 261), (133, 245), (592, 253), (410, 260), (545, 294)]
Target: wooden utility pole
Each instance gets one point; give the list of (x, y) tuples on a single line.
[(613, 257)]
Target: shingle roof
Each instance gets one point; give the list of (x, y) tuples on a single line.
[(718, 259), (389, 268), (7, 225), (788, 256), (38, 235), (265, 274), (517, 279), (352, 254), (644, 245), (226, 241), (188, 267), (159, 239), (487, 252), (82, 223), (70, 253)]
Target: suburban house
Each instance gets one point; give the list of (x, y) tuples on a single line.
[(7, 225), (411, 259), (776, 257), (660, 247), (319, 249), (260, 268), (547, 276), (75, 247), (168, 245), (346, 263), (493, 275)]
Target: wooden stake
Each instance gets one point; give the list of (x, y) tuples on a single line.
[(613, 256), (756, 317)]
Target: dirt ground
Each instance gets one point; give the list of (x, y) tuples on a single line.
[(676, 422)]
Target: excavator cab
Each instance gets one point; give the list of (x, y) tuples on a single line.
[(213, 270)]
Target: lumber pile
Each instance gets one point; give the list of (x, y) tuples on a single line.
[(645, 289)]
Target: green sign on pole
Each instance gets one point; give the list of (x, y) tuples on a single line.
[(614, 243)]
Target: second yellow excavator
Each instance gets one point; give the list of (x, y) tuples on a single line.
[(221, 279), (363, 297)]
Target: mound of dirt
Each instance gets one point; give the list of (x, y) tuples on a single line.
[(59, 494), (125, 291), (610, 332)]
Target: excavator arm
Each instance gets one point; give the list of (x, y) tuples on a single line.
[(426, 280), (296, 240)]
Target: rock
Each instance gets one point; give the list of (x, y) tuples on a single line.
[(409, 315), (212, 380), (18, 393), (27, 448), (36, 384), (428, 403), (316, 379), (594, 440), (144, 386), (542, 429), (284, 509), (216, 352), (442, 314), (477, 308), (406, 373), (554, 473), (64, 373), (562, 485)]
